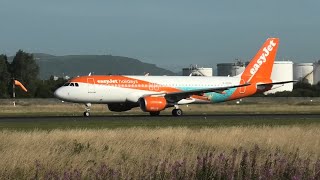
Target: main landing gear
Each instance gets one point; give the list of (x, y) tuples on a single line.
[(177, 111), (87, 108)]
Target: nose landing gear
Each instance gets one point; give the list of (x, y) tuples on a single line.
[(87, 110)]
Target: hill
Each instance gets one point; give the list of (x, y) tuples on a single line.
[(75, 65)]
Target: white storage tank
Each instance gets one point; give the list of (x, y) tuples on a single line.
[(197, 71), (316, 72), (282, 71), (303, 72), (230, 69)]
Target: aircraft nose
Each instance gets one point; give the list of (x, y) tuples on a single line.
[(59, 94)]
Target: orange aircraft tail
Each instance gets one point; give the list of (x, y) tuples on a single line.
[(260, 67)]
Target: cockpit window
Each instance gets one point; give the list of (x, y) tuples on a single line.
[(71, 84)]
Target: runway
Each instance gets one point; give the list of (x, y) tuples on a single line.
[(134, 117)]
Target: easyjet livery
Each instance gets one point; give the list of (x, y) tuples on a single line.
[(156, 93)]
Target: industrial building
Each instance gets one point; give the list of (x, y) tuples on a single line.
[(307, 72), (282, 71), (197, 71), (303, 72), (316, 72), (230, 69)]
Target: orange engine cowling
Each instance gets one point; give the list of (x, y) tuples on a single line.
[(152, 104)]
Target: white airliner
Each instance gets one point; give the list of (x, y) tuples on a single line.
[(156, 93)]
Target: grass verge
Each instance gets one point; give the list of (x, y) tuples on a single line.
[(114, 122)]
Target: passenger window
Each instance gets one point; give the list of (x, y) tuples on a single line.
[(77, 84)]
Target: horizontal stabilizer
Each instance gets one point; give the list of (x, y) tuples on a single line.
[(268, 86), (274, 83)]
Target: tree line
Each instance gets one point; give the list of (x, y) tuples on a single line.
[(25, 69)]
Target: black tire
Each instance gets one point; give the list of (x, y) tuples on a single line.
[(86, 114), (156, 113), (177, 112)]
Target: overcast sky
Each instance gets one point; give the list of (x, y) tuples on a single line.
[(164, 32)]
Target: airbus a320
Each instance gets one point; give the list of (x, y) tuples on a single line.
[(154, 94)]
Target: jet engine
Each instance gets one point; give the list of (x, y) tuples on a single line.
[(152, 104)]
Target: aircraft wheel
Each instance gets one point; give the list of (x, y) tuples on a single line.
[(156, 113), (177, 112), (86, 114), (87, 110)]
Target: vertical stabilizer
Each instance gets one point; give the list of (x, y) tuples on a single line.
[(260, 67)]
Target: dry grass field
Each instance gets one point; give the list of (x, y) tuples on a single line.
[(135, 152)]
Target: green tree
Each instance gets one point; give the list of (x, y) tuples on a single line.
[(4, 77), (43, 90), (46, 88), (25, 69)]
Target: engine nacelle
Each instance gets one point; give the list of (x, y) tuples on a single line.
[(120, 107), (152, 104)]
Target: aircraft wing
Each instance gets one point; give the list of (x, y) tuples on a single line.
[(177, 96)]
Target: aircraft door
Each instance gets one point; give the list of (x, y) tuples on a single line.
[(91, 85), (242, 89)]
